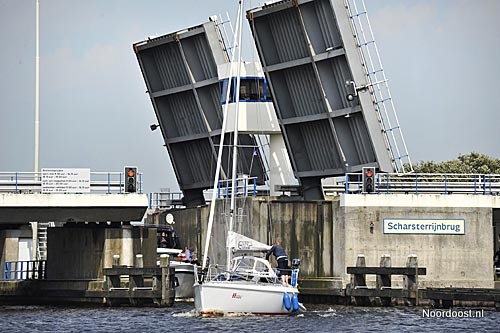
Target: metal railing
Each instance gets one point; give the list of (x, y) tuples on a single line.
[(245, 186), (31, 182), (23, 270), (165, 200), (419, 183)]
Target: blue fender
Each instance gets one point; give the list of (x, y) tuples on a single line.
[(286, 301), (295, 302)]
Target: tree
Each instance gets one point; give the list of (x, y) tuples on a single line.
[(473, 163)]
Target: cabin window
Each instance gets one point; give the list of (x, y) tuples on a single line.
[(260, 266), (252, 89)]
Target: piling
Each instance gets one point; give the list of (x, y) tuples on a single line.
[(410, 281), (165, 277), (383, 294), (384, 280), (139, 261), (116, 260), (358, 281)]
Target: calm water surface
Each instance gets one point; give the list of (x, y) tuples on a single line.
[(181, 318)]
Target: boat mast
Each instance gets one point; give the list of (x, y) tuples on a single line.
[(235, 138), (221, 146)]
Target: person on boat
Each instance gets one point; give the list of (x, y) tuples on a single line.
[(281, 259), (162, 240), (182, 255), (172, 239), (187, 253), (194, 259)]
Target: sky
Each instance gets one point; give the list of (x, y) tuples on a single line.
[(440, 56)]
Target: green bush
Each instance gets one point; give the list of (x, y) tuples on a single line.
[(473, 163)]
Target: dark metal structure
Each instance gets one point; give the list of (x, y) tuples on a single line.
[(180, 71), (322, 94)]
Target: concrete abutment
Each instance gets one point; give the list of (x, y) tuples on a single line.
[(329, 235)]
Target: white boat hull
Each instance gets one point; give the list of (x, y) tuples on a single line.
[(241, 297), (184, 273)]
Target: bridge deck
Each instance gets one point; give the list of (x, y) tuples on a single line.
[(16, 208)]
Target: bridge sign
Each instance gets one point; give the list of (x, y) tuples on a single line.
[(424, 226), (64, 180)]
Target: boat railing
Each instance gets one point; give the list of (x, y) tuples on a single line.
[(209, 273), (220, 273)]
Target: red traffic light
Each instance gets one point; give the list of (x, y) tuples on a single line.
[(130, 180), (368, 174)]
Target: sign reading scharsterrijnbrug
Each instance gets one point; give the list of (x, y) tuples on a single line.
[(424, 226)]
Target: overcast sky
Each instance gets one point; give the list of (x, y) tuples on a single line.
[(441, 58)]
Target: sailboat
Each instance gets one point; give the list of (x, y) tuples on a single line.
[(248, 284)]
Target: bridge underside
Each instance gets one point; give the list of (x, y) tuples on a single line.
[(308, 53), (18, 209)]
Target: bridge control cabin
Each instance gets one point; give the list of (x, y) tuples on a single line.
[(256, 109)]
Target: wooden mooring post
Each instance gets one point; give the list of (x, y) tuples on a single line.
[(410, 281), (361, 294), (139, 261), (358, 281), (165, 278), (145, 285), (384, 280), (116, 260)]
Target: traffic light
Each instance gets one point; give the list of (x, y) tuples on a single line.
[(351, 92), (368, 180), (130, 179)]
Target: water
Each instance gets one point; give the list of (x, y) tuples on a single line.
[(181, 318)]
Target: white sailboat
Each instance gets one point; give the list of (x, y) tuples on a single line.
[(248, 284)]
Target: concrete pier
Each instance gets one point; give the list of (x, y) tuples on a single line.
[(329, 235), (127, 250)]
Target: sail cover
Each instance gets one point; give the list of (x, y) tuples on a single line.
[(238, 242)]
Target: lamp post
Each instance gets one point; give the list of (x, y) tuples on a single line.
[(34, 225), (37, 89)]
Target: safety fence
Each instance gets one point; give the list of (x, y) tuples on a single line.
[(419, 183), (244, 187), (31, 182), (23, 270)]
